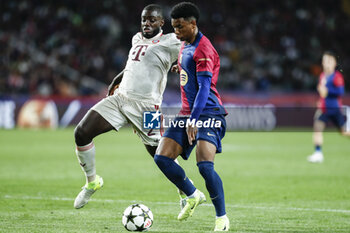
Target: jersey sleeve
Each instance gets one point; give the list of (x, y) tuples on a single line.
[(174, 46), (204, 58), (201, 97), (338, 80), (337, 88), (137, 37)]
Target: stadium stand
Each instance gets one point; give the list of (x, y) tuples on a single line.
[(73, 48)]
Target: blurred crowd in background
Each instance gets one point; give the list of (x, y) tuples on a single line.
[(75, 48)]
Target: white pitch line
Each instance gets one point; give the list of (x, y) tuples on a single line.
[(172, 203)]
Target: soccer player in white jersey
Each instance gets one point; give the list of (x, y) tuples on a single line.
[(141, 87)]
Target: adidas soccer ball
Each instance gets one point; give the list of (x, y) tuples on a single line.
[(137, 217)]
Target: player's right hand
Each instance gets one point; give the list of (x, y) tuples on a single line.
[(191, 133), (175, 69)]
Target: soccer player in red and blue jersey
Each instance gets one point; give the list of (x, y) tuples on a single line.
[(201, 120), (331, 88)]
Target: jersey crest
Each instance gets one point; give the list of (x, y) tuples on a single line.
[(183, 77)]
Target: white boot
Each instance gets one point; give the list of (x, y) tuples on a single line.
[(316, 157)]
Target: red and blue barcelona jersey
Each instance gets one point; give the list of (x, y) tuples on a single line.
[(335, 86), (199, 58)]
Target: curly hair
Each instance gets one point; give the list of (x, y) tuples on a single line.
[(185, 10)]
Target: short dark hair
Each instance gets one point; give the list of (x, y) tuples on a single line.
[(330, 53), (185, 10), (154, 7)]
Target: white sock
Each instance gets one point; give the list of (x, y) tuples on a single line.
[(223, 216), (86, 157), (193, 194)]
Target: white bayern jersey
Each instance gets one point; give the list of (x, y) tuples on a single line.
[(146, 70)]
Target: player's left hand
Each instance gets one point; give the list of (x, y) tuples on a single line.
[(191, 133), (323, 91)]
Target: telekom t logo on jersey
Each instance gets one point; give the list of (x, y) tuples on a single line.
[(139, 51)]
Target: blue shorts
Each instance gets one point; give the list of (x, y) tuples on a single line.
[(210, 134), (337, 118)]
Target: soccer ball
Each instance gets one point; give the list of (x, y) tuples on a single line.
[(137, 217)]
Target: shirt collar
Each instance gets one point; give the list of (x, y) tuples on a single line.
[(155, 37), (196, 40)]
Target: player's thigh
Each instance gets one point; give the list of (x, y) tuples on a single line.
[(319, 126), (169, 148), (205, 151), (134, 112), (209, 138), (317, 114), (93, 124), (149, 137), (177, 133), (339, 121), (320, 121)]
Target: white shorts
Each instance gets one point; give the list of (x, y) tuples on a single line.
[(119, 110)]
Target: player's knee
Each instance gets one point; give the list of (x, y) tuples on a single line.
[(319, 126), (205, 168), (169, 148), (80, 136)]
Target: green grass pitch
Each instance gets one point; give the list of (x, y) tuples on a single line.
[(269, 186)]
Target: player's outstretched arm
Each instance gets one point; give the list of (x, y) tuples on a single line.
[(115, 83), (204, 82)]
